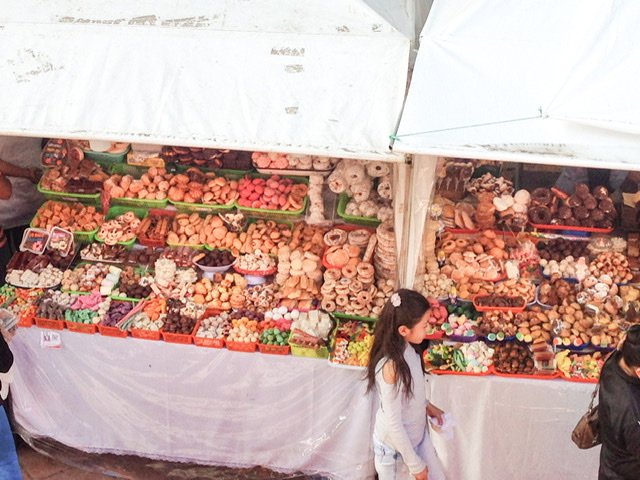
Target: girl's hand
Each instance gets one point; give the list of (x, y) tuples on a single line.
[(435, 412), (423, 475)]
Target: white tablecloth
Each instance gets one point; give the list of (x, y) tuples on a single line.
[(186, 403), (513, 429)]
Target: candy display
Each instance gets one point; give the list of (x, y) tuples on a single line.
[(195, 186), (352, 344), (74, 176), (91, 277), (133, 284), (55, 152), (581, 366), (513, 358), (474, 357), (152, 185), (273, 193), (214, 258), (117, 311), (367, 184), (283, 161), (584, 208), (311, 329), (121, 229), (70, 216), (206, 157)]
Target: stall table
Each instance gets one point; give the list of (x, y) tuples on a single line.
[(511, 428), (187, 403)]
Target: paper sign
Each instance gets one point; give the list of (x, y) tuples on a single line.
[(50, 340)]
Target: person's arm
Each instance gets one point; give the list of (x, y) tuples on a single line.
[(10, 170), (570, 177), (5, 188), (391, 399)]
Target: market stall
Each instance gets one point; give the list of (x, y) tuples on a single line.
[(531, 252), (220, 207)]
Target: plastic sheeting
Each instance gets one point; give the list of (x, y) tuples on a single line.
[(306, 76), (524, 89), (509, 429), (191, 404)]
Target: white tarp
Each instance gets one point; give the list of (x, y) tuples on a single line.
[(518, 80), (321, 77)]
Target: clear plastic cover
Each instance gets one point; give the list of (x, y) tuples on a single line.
[(190, 404)]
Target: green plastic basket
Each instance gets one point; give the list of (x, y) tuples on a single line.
[(86, 198), (298, 351), (345, 316), (125, 299), (117, 210), (136, 172), (202, 207), (343, 199), (269, 213), (80, 237), (106, 159)]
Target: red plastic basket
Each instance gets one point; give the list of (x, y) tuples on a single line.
[(241, 346), (81, 327), (26, 321), (182, 338), (437, 335), (462, 374), (274, 349), (204, 341), (146, 334), (482, 308), (552, 376), (147, 242), (571, 228), (50, 324), (578, 379), (112, 331)]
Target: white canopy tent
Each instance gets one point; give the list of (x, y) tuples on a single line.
[(304, 76), (528, 81)]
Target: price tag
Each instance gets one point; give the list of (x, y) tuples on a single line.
[(50, 340)]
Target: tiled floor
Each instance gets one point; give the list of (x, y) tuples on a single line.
[(37, 466)]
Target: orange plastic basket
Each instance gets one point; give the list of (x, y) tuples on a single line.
[(274, 349), (81, 327), (112, 331), (145, 334), (26, 321), (177, 338), (241, 346), (204, 341), (50, 324)]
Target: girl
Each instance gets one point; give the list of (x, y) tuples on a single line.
[(403, 449)]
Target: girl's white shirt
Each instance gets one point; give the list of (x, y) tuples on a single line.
[(401, 421)]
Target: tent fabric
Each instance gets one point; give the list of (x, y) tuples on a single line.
[(309, 76), (536, 88)]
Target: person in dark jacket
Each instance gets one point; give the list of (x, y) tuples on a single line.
[(619, 412), (9, 466)]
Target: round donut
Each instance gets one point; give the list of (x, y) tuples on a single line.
[(600, 192), (582, 190), (606, 205), (364, 297), (540, 215), (328, 305), (342, 300), (541, 196), (356, 286), (461, 243), (590, 202), (335, 237), (365, 270), (332, 274), (449, 246), (581, 213), (348, 271), (573, 201), (564, 212), (359, 237)]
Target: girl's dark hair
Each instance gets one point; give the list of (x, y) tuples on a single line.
[(389, 344), (631, 347)]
